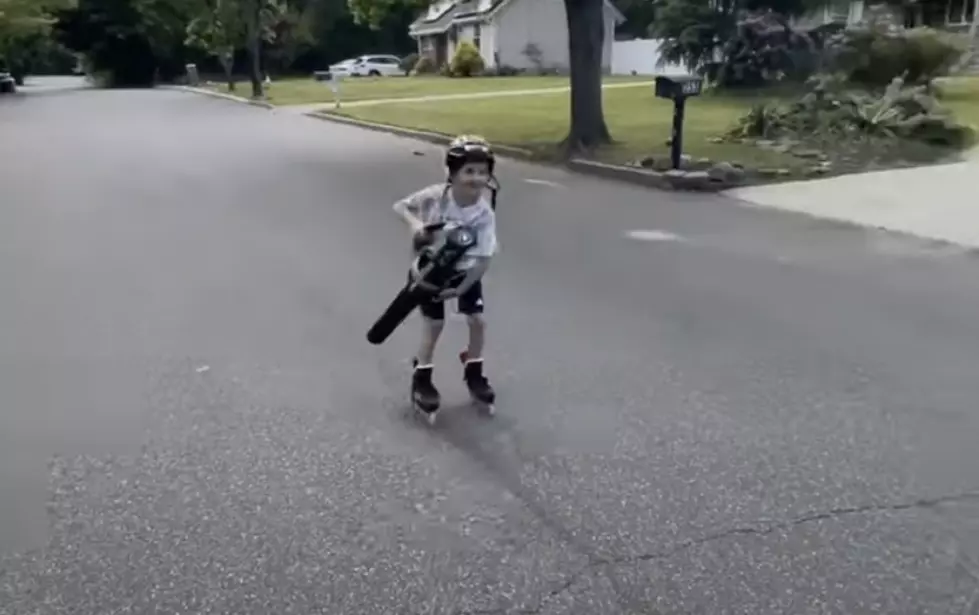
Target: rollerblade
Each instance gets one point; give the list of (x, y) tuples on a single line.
[(479, 387), (424, 396)]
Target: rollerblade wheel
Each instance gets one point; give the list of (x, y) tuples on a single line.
[(429, 416)]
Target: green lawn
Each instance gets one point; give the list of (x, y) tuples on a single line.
[(961, 96), (637, 120), (308, 91)]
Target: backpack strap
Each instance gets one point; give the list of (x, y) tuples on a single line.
[(494, 187), (443, 202)]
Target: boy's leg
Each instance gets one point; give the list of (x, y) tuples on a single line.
[(471, 304), (433, 320), (423, 389)]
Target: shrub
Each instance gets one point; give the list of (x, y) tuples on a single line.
[(534, 54), (831, 111), (501, 71), (466, 62), (409, 62), (425, 66), (766, 48), (875, 54)]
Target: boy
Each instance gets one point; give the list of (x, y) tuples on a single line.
[(467, 197)]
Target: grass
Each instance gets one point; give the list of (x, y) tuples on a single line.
[(639, 122), (308, 91), (961, 96)]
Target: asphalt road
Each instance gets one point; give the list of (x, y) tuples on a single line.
[(742, 412)]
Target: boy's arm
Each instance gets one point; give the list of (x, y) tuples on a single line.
[(411, 209)]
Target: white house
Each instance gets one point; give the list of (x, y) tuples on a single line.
[(951, 15), (503, 29)]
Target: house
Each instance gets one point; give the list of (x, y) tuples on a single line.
[(502, 30), (951, 15), (959, 16)]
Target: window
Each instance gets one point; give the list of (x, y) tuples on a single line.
[(477, 35), (959, 12), (838, 11)]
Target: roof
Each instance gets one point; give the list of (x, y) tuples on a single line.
[(469, 9)]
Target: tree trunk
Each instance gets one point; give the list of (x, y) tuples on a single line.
[(586, 34), (255, 67), (228, 64), (974, 27), (255, 50)]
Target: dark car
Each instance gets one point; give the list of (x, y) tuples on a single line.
[(7, 84)]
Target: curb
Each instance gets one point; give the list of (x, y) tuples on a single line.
[(670, 180), (437, 138), (205, 92), (641, 177)]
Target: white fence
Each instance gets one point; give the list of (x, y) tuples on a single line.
[(641, 57)]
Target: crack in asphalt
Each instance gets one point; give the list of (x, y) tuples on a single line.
[(761, 529)]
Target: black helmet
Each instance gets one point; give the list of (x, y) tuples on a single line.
[(468, 148)]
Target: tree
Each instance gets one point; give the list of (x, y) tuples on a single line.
[(586, 33), (127, 42), (222, 26), (24, 27), (220, 31), (639, 17), (695, 32), (974, 26)]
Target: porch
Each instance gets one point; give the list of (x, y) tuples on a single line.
[(435, 46)]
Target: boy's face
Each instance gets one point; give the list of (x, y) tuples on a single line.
[(473, 176)]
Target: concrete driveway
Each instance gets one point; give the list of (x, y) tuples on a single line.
[(938, 202), (703, 408)]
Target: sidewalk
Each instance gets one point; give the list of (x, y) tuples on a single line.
[(308, 108), (936, 202), (472, 95)]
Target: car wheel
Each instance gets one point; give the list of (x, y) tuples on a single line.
[(374, 73)]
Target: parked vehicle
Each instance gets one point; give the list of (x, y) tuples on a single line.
[(379, 65), (7, 84)]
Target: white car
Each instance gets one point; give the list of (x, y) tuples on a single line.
[(368, 66)]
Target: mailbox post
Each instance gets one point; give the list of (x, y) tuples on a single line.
[(331, 80), (678, 89)]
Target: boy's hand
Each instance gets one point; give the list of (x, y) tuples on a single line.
[(448, 293), (423, 235)]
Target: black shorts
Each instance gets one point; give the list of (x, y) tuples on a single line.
[(470, 302)]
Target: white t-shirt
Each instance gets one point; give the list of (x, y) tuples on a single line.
[(434, 204)]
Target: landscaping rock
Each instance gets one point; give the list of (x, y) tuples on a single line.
[(807, 153), (774, 172), (726, 173), (648, 162), (716, 140), (697, 180)]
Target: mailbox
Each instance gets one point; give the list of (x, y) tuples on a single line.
[(678, 89), (331, 81), (193, 77)]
